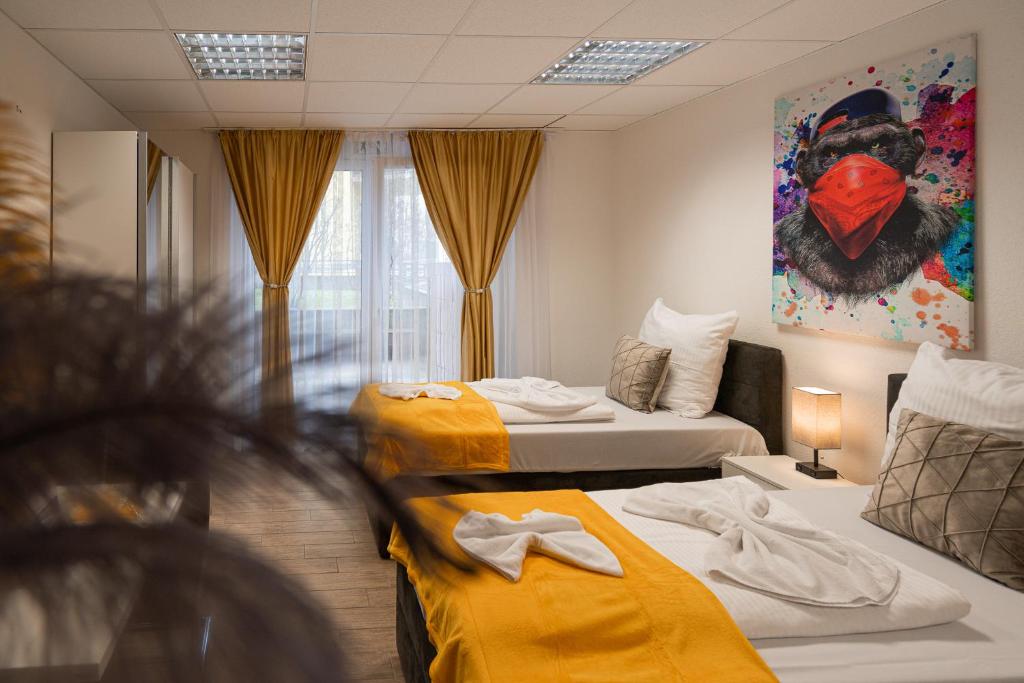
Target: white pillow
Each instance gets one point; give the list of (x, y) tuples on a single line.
[(699, 344), (987, 396)]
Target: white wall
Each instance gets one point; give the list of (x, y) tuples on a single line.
[(52, 98), (47, 96), (692, 212), (95, 227), (575, 208)]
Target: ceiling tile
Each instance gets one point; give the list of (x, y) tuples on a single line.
[(253, 96), (817, 19), (340, 57), (259, 120), (116, 54), (346, 120), (514, 120), (355, 98), (236, 16), (552, 99), (646, 99), (448, 98), (430, 120), (390, 16), (492, 59), (726, 61), (163, 96), (172, 121), (574, 18), (119, 14), (689, 19), (582, 122)]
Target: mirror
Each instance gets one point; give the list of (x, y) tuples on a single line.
[(167, 261)]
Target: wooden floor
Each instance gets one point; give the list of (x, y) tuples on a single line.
[(325, 544)]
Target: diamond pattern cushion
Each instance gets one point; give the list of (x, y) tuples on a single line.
[(638, 373), (956, 489)]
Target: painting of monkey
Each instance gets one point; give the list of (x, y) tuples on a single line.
[(874, 200)]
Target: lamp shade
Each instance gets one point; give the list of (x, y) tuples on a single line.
[(817, 417)]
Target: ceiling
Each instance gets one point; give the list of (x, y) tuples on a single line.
[(429, 63)]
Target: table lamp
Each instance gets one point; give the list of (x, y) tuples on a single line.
[(817, 423)]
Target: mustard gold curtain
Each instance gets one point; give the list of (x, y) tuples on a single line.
[(153, 154), (279, 178), (474, 184)]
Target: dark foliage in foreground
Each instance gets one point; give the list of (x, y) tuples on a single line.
[(94, 389)]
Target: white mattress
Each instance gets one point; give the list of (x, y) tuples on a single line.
[(986, 645), (633, 441)]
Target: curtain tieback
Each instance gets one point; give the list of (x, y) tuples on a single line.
[(271, 285), (476, 291)]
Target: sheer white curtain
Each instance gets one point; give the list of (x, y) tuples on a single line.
[(374, 296), (522, 316)]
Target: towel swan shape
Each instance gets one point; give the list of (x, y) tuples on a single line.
[(502, 543)]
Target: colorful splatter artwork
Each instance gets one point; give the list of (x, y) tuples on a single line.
[(874, 200)]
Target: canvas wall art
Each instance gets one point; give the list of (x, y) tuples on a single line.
[(874, 200)]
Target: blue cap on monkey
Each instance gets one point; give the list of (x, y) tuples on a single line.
[(860, 103)]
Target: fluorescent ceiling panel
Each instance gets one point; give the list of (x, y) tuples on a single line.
[(614, 62), (245, 56)]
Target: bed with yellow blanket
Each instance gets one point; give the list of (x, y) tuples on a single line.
[(432, 436), (465, 445), (563, 623)]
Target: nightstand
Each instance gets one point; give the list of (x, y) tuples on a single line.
[(775, 473)]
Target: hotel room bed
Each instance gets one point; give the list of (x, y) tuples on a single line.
[(638, 448), (985, 646)]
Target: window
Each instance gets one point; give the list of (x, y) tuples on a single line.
[(374, 296)]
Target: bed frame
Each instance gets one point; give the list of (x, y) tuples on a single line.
[(750, 391), (416, 652), (892, 393)]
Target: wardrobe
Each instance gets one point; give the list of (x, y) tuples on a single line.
[(123, 208)]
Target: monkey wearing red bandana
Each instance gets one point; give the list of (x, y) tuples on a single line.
[(862, 230)]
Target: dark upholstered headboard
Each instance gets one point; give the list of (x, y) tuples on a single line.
[(751, 389), (892, 393)]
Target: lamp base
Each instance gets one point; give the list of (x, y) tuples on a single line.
[(818, 471)]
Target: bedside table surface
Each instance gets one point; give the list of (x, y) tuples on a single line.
[(780, 470)]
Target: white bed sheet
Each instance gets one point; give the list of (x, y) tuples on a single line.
[(985, 646), (633, 441), (919, 601)]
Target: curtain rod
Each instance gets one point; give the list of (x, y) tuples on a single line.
[(214, 129)]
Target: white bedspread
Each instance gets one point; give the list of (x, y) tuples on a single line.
[(764, 545), (632, 441), (986, 646), (919, 601)]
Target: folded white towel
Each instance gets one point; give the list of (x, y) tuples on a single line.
[(514, 415), (533, 393), (768, 547), (502, 543), (407, 392)]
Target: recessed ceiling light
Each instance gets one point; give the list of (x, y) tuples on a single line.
[(246, 56), (615, 62)]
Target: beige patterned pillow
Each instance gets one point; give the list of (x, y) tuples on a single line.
[(956, 489), (638, 373)]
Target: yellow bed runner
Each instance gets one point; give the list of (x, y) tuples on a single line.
[(560, 623), (433, 435)]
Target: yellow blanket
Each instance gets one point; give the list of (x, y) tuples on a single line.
[(560, 623), (433, 435)]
